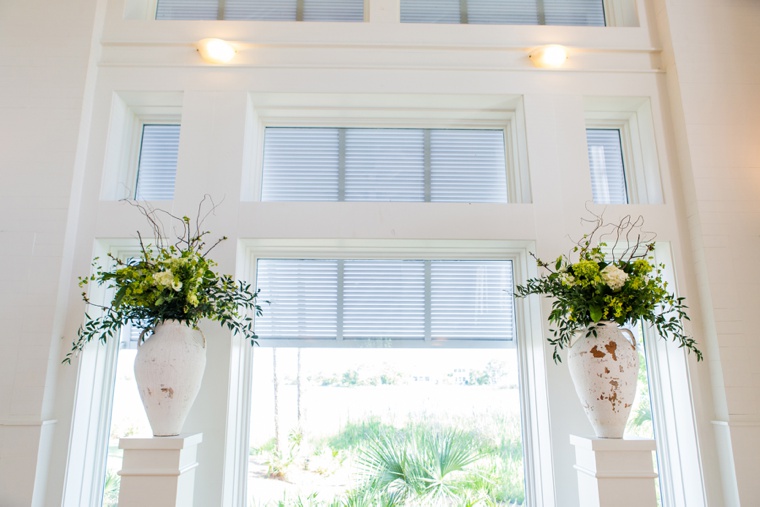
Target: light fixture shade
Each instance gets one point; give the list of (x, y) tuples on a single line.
[(552, 55), (216, 50)]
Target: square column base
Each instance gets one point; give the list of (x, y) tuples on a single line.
[(615, 472), (158, 471)]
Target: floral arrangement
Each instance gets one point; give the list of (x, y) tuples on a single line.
[(167, 282), (623, 286)]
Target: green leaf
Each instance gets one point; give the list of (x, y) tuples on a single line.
[(596, 313)]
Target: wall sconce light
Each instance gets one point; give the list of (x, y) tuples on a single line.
[(216, 50), (552, 55)]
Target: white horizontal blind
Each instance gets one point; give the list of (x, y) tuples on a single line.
[(402, 300), (505, 12), (605, 157), (333, 10), (303, 298), (262, 10), (187, 9), (301, 164), (430, 11), (471, 300), (384, 165), (357, 164), (157, 168), (468, 166), (279, 10), (574, 12)]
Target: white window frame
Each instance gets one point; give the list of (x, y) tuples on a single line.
[(129, 113), (90, 425), (633, 118), (509, 119), (539, 484)]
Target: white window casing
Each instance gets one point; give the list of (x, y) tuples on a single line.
[(435, 113), (534, 409), (130, 112), (633, 119)]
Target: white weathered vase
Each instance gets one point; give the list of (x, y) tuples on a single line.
[(168, 369), (604, 369)]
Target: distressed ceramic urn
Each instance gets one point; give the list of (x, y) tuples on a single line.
[(604, 366), (169, 368)]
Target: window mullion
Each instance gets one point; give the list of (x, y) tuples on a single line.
[(541, 12), (299, 10), (463, 16), (220, 13)]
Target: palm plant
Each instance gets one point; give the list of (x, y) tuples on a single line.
[(419, 467)]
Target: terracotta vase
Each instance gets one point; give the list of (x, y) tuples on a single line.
[(169, 368), (605, 369)]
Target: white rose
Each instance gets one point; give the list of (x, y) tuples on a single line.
[(614, 277)]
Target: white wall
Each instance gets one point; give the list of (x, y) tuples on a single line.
[(44, 52), (697, 93), (713, 77)]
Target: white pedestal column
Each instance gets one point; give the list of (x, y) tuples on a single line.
[(615, 472), (158, 471)]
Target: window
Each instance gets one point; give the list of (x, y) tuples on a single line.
[(143, 137), (262, 10), (505, 12), (605, 155), (365, 164), (157, 168), (622, 151), (398, 299), (362, 356)]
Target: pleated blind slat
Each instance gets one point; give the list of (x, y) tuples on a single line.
[(157, 168), (363, 164), (420, 300), (605, 157)]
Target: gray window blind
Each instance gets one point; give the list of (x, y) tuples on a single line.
[(262, 10), (505, 12), (355, 164), (417, 300), (605, 157), (157, 168)]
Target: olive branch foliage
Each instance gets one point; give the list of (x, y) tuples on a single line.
[(168, 280), (609, 284)]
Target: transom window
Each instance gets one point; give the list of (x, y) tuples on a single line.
[(505, 12), (371, 164), (262, 10)]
